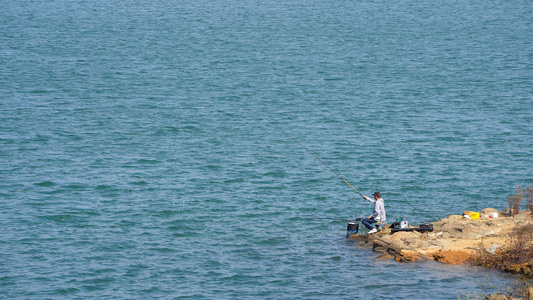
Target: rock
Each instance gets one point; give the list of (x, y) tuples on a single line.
[(524, 269), (454, 240), (420, 245), (455, 217), (380, 246), (437, 243), (496, 297), (452, 257), (409, 256), (386, 256), (473, 231), (487, 211), (403, 235), (454, 229), (405, 255), (446, 235), (522, 217), (492, 249)]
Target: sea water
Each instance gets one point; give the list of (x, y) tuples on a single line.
[(143, 154)]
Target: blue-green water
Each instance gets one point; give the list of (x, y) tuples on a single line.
[(138, 159)]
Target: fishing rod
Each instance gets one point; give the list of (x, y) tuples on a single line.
[(294, 139), (334, 219)]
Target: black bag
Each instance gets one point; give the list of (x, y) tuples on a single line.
[(426, 226), (395, 225)]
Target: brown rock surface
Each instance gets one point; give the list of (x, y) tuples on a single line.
[(454, 239)]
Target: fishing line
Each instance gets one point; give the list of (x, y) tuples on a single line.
[(294, 139)]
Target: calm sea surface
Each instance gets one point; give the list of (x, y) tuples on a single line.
[(140, 159)]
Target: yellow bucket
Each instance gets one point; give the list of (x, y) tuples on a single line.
[(474, 216)]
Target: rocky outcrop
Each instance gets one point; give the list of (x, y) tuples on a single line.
[(525, 269), (454, 239)]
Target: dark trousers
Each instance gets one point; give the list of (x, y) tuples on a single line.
[(368, 222)]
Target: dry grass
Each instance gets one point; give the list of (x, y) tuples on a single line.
[(516, 253), (518, 250), (529, 198), (515, 200), (521, 194)]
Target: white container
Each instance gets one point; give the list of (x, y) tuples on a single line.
[(494, 215), (404, 224)]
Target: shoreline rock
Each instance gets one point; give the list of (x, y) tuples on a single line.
[(454, 240)]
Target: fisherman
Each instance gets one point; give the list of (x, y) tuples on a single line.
[(378, 214)]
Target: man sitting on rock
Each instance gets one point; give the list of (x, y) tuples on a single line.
[(378, 214)]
